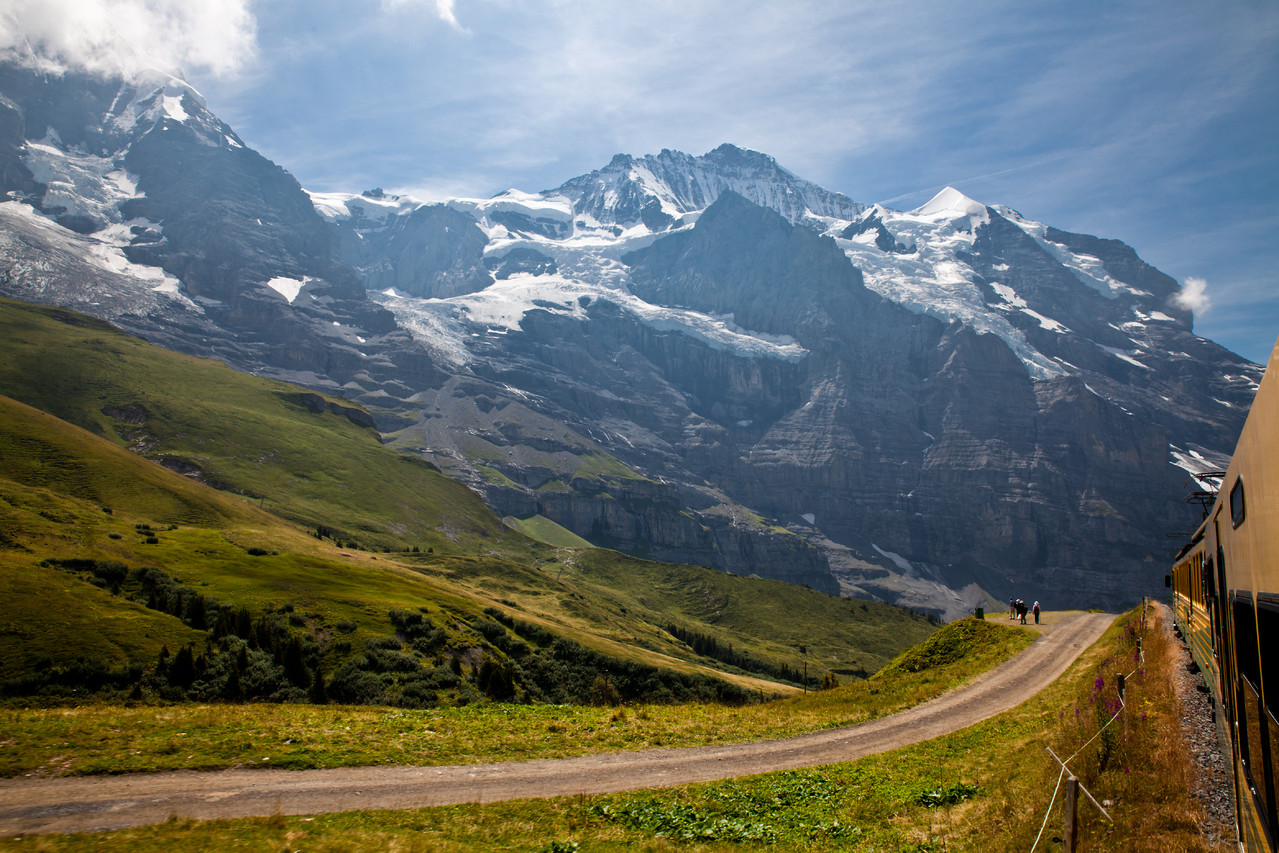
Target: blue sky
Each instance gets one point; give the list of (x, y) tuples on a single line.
[(1155, 123)]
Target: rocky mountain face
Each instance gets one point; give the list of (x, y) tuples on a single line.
[(173, 229), (697, 359)]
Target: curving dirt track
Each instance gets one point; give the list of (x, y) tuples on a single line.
[(96, 804)]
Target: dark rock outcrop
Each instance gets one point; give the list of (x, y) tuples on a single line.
[(517, 261), (432, 252)]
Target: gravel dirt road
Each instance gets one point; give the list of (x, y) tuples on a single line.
[(100, 803)]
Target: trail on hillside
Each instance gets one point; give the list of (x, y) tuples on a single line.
[(100, 803)]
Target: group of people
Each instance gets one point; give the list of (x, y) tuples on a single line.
[(1017, 610)]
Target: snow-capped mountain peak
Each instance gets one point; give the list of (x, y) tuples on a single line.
[(658, 190), (81, 172), (151, 96), (950, 205), (929, 260)]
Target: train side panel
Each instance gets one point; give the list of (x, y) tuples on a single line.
[(1191, 614), (1247, 520), (1226, 599)]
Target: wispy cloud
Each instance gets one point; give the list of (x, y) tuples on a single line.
[(811, 83)]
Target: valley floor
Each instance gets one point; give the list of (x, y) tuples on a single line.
[(80, 804)]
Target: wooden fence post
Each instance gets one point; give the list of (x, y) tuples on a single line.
[(1123, 700), (1071, 823)]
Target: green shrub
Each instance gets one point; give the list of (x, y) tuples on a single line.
[(351, 685)]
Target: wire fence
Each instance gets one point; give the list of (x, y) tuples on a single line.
[(1141, 660)]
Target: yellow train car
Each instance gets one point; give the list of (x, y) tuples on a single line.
[(1225, 586)]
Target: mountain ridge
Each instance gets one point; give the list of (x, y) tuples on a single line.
[(783, 377)]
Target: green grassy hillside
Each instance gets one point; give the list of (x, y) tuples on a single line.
[(105, 555), (330, 566), (303, 455), (57, 499), (544, 530)]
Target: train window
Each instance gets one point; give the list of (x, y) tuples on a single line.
[(1267, 644), (1253, 747), (1273, 725), (1256, 637), (1237, 508), (1247, 697), (1247, 660)]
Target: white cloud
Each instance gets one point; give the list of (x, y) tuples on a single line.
[(1194, 295), (125, 36)]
